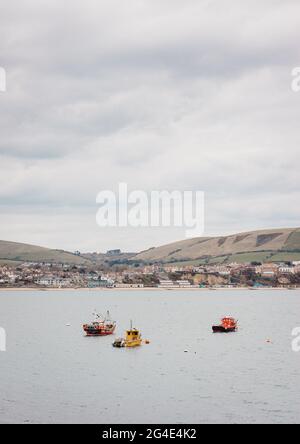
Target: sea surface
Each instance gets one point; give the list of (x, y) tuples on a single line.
[(52, 373)]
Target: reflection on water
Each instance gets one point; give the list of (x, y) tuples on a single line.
[(51, 373)]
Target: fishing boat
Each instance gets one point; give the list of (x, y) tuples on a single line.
[(228, 325), (101, 326), (133, 338)]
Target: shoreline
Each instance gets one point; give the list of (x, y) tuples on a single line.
[(156, 289)]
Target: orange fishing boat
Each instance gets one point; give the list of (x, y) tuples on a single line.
[(102, 326), (228, 325)]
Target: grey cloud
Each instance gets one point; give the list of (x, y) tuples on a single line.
[(163, 95)]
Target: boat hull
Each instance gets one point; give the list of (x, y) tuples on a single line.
[(221, 329), (91, 331), (97, 333), (136, 343), (122, 343)]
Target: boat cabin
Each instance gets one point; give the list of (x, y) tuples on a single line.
[(132, 335)]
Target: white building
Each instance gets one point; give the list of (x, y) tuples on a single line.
[(287, 270), (183, 284), (53, 282), (129, 285), (166, 284)]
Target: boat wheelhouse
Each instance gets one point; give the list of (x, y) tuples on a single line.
[(228, 325)]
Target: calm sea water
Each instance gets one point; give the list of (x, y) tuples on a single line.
[(51, 373)]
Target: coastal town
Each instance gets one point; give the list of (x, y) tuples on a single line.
[(165, 276)]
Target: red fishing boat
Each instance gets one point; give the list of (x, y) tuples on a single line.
[(228, 325), (101, 326)]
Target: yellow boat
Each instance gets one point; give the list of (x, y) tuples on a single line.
[(133, 338)]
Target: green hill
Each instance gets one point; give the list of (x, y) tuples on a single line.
[(13, 253), (263, 246)]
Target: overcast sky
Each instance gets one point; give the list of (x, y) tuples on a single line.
[(161, 94)]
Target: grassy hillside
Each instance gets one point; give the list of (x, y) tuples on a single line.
[(261, 246), (264, 245), (12, 252), (108, 260)]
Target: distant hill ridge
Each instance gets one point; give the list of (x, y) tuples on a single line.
[(11, 252), (264, 245)]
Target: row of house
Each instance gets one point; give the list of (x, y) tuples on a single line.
[(271, 269), (165, 283), (65, 276)]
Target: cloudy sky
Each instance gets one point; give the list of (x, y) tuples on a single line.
[(161, 94)]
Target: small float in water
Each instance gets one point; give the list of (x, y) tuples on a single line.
[(228, 325), (133, 338), (101, 326)]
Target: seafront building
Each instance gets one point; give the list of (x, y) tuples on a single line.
[(52, 282), (158, 275), (165, 284)]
